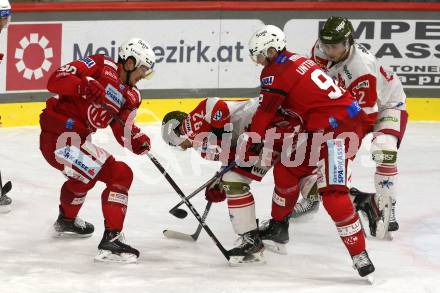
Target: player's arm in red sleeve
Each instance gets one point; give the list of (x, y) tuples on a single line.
[(271, 97), (70, 79), (139, 141)]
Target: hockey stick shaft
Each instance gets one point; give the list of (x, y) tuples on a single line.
[(190, 206), (217, 175), (196, 234), (177, 189)]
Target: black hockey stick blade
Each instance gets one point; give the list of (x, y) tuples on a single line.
[(179, 213), (6, 188)]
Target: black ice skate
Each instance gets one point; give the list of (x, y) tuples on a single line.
[(5, 204), (393, 226), (113, 249), (249, 251), (275, 235), (306, 206), (77, 228), (378, 210), (5, 201), (363, 264), (364, 202)]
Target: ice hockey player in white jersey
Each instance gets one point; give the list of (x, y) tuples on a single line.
[(227, 120), (380, 95)]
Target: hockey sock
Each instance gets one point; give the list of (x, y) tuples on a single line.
[(340, 209), (242, 212), (71, 202), (282, 204)]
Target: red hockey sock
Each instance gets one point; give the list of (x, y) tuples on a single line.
[(118, 177), (340, 209), (71, 202), (282, 204), (114, 208)]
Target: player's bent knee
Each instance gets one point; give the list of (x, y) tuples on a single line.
[(234, 189), (384, 149), (121, 176), (235, 184)]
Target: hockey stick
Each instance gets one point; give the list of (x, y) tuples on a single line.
[(189, 237), (176, 188), (180, 213)]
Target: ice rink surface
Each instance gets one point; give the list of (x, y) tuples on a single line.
[(32, 261)]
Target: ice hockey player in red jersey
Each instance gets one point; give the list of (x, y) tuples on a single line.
[(330, 115), (5, 17), (380, 95), (227, 120), (93, 93)]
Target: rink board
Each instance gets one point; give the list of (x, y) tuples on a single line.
[(152, 110)]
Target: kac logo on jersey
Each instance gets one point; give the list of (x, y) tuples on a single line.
[(114, 96), (88, 62), (268, 80)]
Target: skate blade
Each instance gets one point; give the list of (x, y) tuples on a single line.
[(304, 217), (108, 256), (276, 247), (370, 279), (255, 258), (389, 236), (4, 209), (70, 235)]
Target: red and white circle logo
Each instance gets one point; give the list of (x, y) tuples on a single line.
[(34, 52), (41, 45)]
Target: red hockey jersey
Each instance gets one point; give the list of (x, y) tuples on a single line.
[(77, 113), (299, 85)]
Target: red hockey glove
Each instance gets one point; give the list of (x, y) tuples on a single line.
[(91, 90), (140, 142), (214, 192)]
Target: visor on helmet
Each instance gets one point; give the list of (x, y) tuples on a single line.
[(171, 133), (147, 73)]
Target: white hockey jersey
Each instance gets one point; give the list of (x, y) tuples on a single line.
[(215, 115), (375, 88)]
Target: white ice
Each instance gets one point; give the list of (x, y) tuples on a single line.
[(32, 261)]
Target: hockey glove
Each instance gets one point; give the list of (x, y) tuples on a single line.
[(91, 90), (214, 192), (140, 142)]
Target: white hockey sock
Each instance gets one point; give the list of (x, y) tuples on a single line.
[(242, 212)]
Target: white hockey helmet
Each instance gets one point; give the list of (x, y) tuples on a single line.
[(5, 13), (142, 52), (269, 36)]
